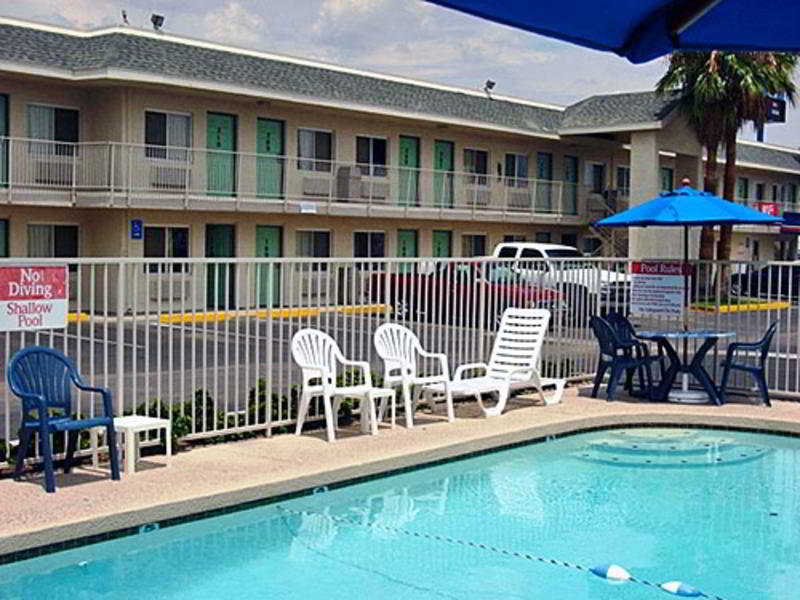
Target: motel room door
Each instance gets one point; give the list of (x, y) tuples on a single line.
[(221, 278), (443, 163), (221, 160), (270, 161), (409, 171), (269, 245)]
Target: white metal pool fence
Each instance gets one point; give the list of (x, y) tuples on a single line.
[(206, 341)]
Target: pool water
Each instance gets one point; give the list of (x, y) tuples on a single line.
[(718, 510)]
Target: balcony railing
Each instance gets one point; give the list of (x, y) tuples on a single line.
[(117, 174)]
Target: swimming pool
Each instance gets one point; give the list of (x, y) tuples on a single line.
[(719, 510)]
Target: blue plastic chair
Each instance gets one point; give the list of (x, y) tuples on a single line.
[(41, 377), (757, 371), (626, 334), (617, 355)]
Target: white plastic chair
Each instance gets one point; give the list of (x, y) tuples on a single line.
[(399, 349), (317, 355), (513, 364)]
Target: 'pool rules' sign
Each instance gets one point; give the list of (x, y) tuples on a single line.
[(657, 288), (33, 297)]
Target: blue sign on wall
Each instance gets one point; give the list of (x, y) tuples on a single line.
[(137, 229)]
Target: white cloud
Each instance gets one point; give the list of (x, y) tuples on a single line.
[(337, 9), (235, 24), (84, 14)]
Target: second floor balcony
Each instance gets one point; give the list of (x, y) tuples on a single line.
[(118, 175)]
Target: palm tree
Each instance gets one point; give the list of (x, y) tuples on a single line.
[(718, 92)]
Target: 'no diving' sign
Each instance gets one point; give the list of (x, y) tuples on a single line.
[(33, 297)]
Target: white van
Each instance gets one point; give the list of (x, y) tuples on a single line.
[(584, 282)]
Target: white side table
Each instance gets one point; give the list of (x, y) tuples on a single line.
[(384, 395), (131, 427)]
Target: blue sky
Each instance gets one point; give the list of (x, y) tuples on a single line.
[(401, 37)]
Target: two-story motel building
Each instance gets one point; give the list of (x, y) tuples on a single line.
[(130, 143)]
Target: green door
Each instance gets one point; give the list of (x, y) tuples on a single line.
[(221, 278), (442, 244), (570, 193), (406, 248), (4, 149), (221, 138), (269, 245), (443, 173), (409, 171), (544, 175), (270, 161)]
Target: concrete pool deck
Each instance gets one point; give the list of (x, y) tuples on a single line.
[(88, 503)]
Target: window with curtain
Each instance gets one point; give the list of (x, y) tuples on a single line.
[(166, 134), (473, 245), (313, 244), (53, 241), (476, 162), (371, 155), (760, 191), (516, 170), (314, 150), (53, 125), (624, 180), (166, 242)]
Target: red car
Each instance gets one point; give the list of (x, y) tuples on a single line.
[(457, 292)]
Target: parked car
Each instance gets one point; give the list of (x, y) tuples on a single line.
[(459, 293), (777, 282), (585, 285)]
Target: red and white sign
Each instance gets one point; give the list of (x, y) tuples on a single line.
[(657, 288), (33, 297), (770, 208)]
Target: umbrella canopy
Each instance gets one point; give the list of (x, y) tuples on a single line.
[(687, 207), (641, 30)]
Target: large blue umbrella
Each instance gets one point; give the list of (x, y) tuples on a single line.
[(641, 30)]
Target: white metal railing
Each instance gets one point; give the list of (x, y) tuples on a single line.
[(208, 343), (127, 173)]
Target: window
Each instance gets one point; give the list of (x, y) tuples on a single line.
[(314, 149), (513, 238), (369, 244), (789, 192), (516, 170), (760, 191), (543, 237), (477, 163), (598, 178), (667, 176), (314, 244), (54, 125), (53, 241), (371, 155), (473, 245), (742, 188), (569, 239), (165, 134), (166, 242), (3, 238), (624, 180), (776, 193)]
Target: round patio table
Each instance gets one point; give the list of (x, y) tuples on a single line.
[(686, 367)]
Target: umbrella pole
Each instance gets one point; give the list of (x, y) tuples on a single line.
[(685, 303)]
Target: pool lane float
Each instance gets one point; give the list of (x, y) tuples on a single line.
[(613, 573), (680, 589)]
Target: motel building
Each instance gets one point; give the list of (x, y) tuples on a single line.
[(123, 142)]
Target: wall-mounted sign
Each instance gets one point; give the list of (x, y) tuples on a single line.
[(776, 110), (33, 297), (657, 288), (308, 208), (137, 229)]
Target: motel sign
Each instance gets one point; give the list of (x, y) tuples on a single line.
[(33, 297)]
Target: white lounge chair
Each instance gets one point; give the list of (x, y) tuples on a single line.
[(513, 364), (317, 355), (399, 349)]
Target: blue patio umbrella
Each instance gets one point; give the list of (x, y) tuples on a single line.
[(641, 30)]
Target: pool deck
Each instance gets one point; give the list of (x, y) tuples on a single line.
[(204, 478)]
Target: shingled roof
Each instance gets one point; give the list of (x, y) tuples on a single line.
[(166, 57), (616, 111), (126, 50)]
